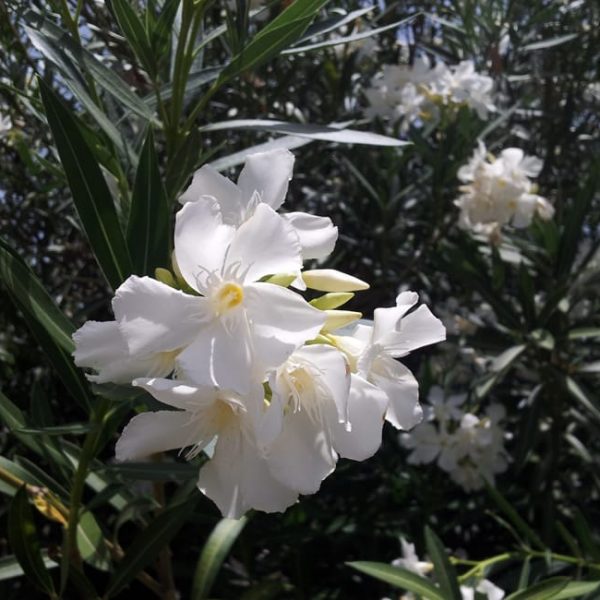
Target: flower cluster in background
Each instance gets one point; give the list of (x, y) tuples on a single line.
[(479, 588), (242, 358), (468, 447), (498, 190), (419, 92)]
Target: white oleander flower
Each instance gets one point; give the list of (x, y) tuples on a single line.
[(498, 190), (462, 84), (469, 448), (410, 560), (228, 335), (237, 476), (483, 588), (239, 326), (5, 125), (418, 92), (394, 334), (319, 411), (264, 179)]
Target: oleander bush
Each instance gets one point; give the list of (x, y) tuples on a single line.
[(300, 299)]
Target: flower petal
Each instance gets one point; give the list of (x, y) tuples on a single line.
[(265, 245), (317, 235), (302, 456), (417, 329), (220, 356), (333, 374), (386, 319), (101, 346), (153, 432), (366, 409), (269, 174), (402, 389), (178, 394), (154, 317), (237, 478), (207, 181), (201, 241), (281, 321)]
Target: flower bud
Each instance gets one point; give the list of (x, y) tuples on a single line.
[(332, 300), (331, 280), (339, 318)]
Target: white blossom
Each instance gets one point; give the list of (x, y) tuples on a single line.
[(419, 92), (498, 190), (469, 448), (394, 334)]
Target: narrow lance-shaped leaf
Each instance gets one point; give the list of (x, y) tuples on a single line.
[(91, 195), (400, 578), (24, 542), (213, 554), (148, 228), (280, 33), (33, 300), (445, 573), (148, 544)]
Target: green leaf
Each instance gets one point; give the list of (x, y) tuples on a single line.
[(33, 300), (134, 32), (355, 37), (10, 567), (543, 590), (444, 572), (213, 554), (325, 133), (280, 33), (576, 589), (398, 577), (514, 517), (91, 195), (148, 230), (556, 41), (85, 61), (72, 429), (24, 542), (91, 543), (149, 543), (577, 392)]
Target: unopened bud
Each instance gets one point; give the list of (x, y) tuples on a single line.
[(339, 318), (282, 279), (165, 276), (331, 280), (332, 300)]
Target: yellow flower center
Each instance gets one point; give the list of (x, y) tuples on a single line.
[(228, 297)]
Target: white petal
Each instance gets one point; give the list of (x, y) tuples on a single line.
[(265, 245), (209, 182), (178, 394), (101, 346), (366, 409), (402, 389), (333, 374), (302, 455), (267, 173), (281, 321), (386, 319), (154, 317), (153, 432), (317, 235), (220, 356), (417, 329), (201, 241), (237, 478)]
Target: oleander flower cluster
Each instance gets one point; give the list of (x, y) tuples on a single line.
[(243, 363), (419, 92), (498, 190), (476, 588), (468, 447)]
